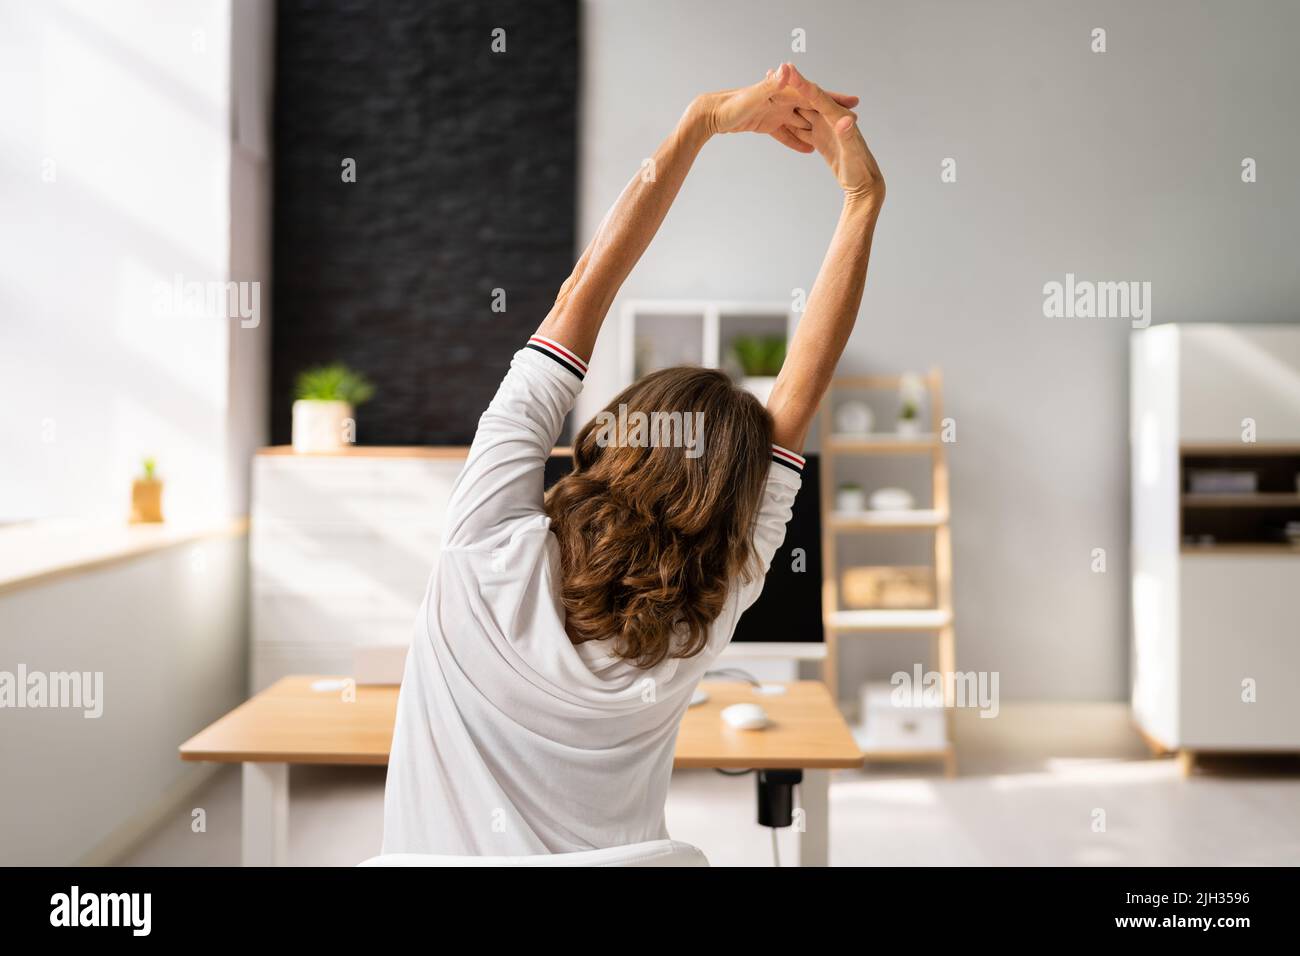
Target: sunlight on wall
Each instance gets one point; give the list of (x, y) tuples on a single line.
[(116, 163)]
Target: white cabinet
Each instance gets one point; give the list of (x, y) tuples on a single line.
[(341, 548), (1216, 585)]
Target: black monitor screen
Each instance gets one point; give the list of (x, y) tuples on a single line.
[(790, 607)]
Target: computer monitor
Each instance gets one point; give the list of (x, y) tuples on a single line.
[(790, 608)]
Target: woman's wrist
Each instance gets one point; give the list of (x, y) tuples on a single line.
[(699, 117), (865, 201)]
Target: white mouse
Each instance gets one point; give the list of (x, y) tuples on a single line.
[(745, 717)]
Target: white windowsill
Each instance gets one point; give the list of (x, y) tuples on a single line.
[(35, 552)]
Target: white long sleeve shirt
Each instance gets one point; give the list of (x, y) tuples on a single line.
[(510, 739)]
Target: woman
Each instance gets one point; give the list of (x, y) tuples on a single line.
[(560, 638)]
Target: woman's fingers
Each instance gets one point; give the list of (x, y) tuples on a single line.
[(846, 100), (810, 91), (814, 94), (797, 121), (812, 117), (778, 79), (789, 137), (804, 136)]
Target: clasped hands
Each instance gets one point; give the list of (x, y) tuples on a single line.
[(801, 115)]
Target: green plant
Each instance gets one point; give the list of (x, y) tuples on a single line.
[(150, 467), (909, 411), (333, 383), (759, 355)]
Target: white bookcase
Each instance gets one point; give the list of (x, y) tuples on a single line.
[(1215, 613)]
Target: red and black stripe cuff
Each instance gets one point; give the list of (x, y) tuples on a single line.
[(553, 349), (784, 456)]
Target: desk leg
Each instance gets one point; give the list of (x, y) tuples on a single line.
[(266, 814), (814, 798)]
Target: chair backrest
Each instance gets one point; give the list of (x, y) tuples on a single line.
[(652, 853)]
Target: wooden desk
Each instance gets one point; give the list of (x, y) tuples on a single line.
[(322, 720)]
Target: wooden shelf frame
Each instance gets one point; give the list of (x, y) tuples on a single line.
[(915, 520), (1256, 499), (937, 622), (882, 444), (889, 620)]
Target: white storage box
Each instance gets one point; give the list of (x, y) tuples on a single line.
[(885, 726)]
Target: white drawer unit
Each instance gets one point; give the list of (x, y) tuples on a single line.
[(341, 548)]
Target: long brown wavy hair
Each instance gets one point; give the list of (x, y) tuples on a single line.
[(651, 539)]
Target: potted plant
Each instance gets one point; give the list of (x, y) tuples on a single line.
[(146, 495), (850, 498), (760, 358), (326, 397), (911, 391)]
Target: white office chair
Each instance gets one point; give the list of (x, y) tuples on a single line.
[(651, 853)]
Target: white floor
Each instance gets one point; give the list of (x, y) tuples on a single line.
[(1043, 784)]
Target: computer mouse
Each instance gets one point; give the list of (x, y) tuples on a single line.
[(745, 717)]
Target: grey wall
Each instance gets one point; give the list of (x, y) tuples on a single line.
[(1115, 166)]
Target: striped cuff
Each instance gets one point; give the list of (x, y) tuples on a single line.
[(554, 350), (784, 456)]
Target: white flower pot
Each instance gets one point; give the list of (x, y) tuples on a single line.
[(321, 426), (909, 427), (850, 500), (854, 417), (760, 386)]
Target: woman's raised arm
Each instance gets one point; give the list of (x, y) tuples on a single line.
[(766, 107), (833, 304)]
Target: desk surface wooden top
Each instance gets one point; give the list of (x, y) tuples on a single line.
[(311, 720)]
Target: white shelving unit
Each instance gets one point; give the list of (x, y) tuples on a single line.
[(852, 624), (692, 331)]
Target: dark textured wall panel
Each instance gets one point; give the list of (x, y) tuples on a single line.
[(466, 170)]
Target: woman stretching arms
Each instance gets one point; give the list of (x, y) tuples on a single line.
[(561, 637)]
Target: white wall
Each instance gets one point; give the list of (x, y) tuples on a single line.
[(134, 149), (1115, 166), (117, 174), (168, 633)]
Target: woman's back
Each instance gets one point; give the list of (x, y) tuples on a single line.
[(511, 738)]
